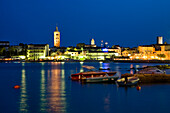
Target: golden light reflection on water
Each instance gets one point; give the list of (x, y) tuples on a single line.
[(81, 68), (23, 96), (43, 100), (56, 90), (52, 96)]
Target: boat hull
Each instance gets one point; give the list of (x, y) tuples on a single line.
[(132, 81), (100, 79), (79, 76), (123, 84)]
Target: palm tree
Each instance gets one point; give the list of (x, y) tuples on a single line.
[(2, 50), (11, 51)]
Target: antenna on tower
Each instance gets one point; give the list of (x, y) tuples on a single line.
[(106, 43), (101, 43), (56, 27)]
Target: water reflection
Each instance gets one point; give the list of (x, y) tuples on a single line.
[(56, 90), (131, 71), (107, 103), (104, 65), (117, 69), (23, 96), (81, 68), (43, 99)]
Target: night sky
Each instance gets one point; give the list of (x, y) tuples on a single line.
[(127, 23)]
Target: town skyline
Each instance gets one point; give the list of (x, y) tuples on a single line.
[(56, 37), (125, 23)]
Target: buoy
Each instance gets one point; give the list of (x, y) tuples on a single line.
[(138, 88), (16, 87)]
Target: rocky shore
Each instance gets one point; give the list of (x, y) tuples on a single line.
[(153, 78)]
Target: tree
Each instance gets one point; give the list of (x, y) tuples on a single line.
[(161, 55), (11, 51), (24, 49), (80, 44), (2, 51)]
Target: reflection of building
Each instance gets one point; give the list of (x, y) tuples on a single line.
[(23, 94), (43, 99), (37, 51), (56, 38), (56, 90)]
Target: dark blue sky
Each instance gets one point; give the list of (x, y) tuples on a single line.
[(118, 22)]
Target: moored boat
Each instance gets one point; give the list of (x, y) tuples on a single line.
[(100, 79), (129, 81), (150, 70), (80, 76), (91, 74)]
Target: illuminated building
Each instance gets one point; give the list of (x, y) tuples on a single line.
[(159, 40), (155, 51), (101, 55), (4, 44), (129, 51), (164, 49), (146, 51), (56, 38), (92, 42), (116, 50), (72, 54), (125, 53), (37, 51)]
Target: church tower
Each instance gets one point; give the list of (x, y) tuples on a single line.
[(92, 42), (56, 38)]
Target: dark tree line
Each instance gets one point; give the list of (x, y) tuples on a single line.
[(12, 51)]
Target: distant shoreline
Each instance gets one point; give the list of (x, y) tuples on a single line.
[(143, 61), (106, 61)]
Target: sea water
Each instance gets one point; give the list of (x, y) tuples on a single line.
[(46, 88)]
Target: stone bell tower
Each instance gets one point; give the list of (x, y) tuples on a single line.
[(56, 38)]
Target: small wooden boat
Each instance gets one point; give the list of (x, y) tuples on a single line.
[(150, 70), (91, 74), (127, 81), (100, 79)]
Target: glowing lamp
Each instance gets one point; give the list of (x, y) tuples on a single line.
[(105, 50)]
